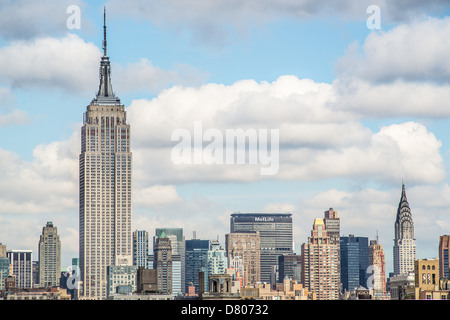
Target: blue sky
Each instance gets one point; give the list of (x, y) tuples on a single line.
[(357, 110)]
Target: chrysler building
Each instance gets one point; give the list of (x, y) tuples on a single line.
[(404, 242)]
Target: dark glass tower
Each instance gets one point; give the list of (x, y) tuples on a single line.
[(196, 261), (354, 262)]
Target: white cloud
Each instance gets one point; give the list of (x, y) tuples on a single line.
[(155, 196), (316, 141), (23, 19), (412, 52), (69, 63), (214, 23)]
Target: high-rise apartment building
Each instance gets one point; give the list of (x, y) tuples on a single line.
[(378, 263), (276, 238), (320, 264), (217, 258), (444, 246), (49, 256), (140, 248), (354, 262), (404, 242), (105, 187), (21, 264), (244, 255)]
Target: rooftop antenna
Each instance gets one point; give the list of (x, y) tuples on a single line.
[(104, 31)]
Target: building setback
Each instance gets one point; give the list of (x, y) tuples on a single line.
[(404, 243), (49, 256), (105, 187), (320, 264), (276, 238)]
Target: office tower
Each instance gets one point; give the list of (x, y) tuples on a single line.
[(289, 266), (244, 255), (404, 242), (49, 256), (140, 248), (378, 263), (121, 280), (275, 232), (105, 186), (444, 245), (196, 261), (354, 262), (21, 267), (162, 262), (320, 264), (4, 266), (177, 243)]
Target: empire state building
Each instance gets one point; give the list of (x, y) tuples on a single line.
[(105, 236)]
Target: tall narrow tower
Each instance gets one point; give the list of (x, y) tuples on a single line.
[(404, 242), (105, 186), (49, 256)]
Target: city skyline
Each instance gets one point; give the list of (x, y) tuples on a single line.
[(338, 148)]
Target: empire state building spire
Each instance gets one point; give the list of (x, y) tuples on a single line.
[(105, 94)]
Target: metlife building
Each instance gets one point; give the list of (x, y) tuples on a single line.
[(275, 231)]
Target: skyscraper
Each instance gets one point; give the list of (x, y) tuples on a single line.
[(49, 256), (404, 242), (21, 262), (177, 243), (196, 261), (320, 263), (140, 248), (444, 246), (105, 186), (378, 263), (244, 255), (354, 262), (275, 232), (162, 262)]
